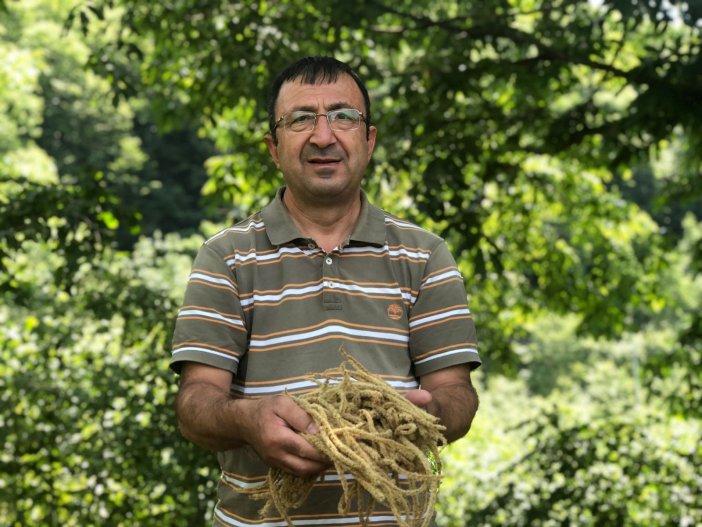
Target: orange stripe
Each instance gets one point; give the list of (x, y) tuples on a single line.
[(276, 382), (216, 286), (445, 348), (213, 321), (275, 291), (277, 260), (211, 310), (383, 255), (207, 346), (209, 273), (442, 321), (330, 337), (439, 311)]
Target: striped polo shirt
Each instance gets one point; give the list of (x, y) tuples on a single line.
[(273, 308)]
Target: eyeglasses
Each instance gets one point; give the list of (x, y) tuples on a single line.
[(339, 120)]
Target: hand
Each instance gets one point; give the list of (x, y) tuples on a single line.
[(449, 395), (423, 399), (275, 426)]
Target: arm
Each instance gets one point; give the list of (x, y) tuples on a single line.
[(448, 394), (209, 417)]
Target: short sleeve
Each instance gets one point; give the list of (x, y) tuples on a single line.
[(210, 327), (442, 332)]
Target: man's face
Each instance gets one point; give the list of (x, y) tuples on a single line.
[(321, 165)]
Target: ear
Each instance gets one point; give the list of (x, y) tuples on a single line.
[(272, 148), (372, 132)]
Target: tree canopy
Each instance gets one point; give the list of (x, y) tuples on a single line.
[(556, 145), (513, 127)]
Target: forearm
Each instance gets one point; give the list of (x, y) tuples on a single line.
[(455, 405), (210, 418)]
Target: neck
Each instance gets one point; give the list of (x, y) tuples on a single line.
[(329, 227)]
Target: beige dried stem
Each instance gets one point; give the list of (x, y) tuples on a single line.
[(371, 432)]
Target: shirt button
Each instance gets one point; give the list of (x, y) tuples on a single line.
[(328, 260)]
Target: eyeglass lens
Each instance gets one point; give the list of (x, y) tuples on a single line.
[(340, 120)]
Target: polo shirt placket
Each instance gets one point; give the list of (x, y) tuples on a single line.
[(330, 276)]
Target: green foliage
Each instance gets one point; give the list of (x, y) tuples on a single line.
[(65, 153), (508, 126), (556, 145), (169, 196), (594, 450), (674, 372), (614, 470), (89, 436)]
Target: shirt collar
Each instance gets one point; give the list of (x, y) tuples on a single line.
[(369, 229)]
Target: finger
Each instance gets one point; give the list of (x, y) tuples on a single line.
[(303, 449), (303, 467), (419, 398), (296, 417), (301, 458)]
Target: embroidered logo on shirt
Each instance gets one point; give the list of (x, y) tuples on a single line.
[(394, 311)]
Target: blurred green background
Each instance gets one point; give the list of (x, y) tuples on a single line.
[(556, 145)]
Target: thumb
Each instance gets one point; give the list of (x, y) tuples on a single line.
[(297, 418), (419, 398)]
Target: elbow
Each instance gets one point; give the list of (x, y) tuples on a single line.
[(185, 425), (462, 426), (190, 433), (457, 432), (185, 430)]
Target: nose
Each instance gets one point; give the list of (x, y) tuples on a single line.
[(322, 135)]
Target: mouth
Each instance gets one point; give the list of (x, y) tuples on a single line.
[(323, 160)]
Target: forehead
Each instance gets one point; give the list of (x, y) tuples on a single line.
[(296, 95)]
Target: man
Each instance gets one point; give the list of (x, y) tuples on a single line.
[(273, 298)]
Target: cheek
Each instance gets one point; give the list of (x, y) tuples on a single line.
[(289, 151)]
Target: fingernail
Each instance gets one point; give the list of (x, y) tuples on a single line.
[(312, 428)]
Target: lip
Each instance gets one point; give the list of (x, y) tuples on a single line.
[(323, 160)]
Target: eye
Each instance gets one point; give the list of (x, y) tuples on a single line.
[(299, 119), (345, 114)]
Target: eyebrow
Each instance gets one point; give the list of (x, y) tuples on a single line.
[(331, 107)]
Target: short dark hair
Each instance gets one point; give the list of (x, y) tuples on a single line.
[(314, 70)]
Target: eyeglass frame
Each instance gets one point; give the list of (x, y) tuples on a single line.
[(316, 116)]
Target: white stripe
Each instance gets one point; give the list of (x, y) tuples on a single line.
[(204, 350), (208, 314), (350, 477), (410, 254), (240, 258), (258, 390), (439, 316), (411, 385), (401, 223), (323, 521), (212, 280), (324, 478), (291, 291), (280, 388), (443, 276), (369, 290), (447, 354), (424, 255), (243, 484), (259, 343), (362, 250), (247, 228)]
